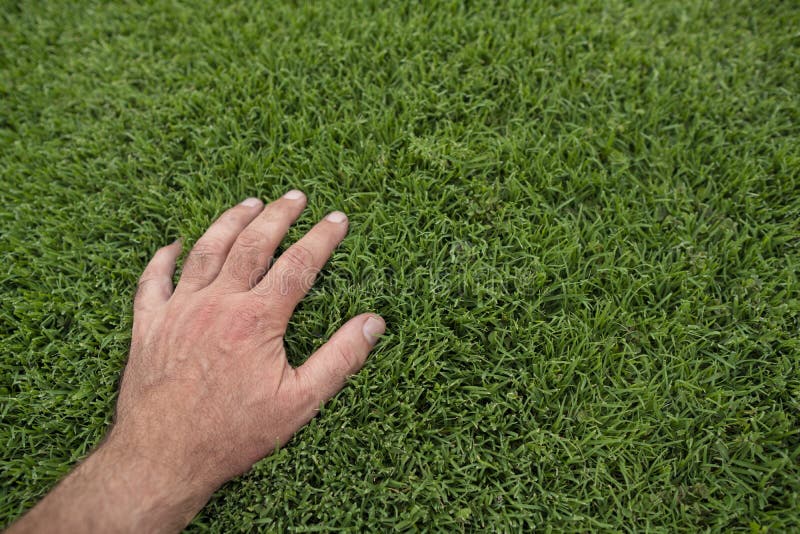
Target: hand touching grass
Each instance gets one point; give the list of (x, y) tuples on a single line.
[(208, 390)]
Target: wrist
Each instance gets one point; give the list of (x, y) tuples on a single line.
[(156, 495), (117, 489)]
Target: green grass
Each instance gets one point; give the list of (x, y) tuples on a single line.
[(581, 222)]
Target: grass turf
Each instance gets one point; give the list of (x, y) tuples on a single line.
[(580, 221)]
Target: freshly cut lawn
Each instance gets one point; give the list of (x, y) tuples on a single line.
[(581, 222)]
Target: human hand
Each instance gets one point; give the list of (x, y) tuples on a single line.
[(208, 390), (208, 387)]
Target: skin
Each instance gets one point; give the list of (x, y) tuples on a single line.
[(207, 390)]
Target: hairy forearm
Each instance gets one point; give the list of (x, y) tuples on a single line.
[(115, 490)]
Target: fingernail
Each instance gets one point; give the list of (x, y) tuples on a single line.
[(373, 329), (294, 194), (251, 202), (336, 217)]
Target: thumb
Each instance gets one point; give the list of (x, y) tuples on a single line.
[(326, 371)]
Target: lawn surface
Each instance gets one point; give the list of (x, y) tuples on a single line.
[(580, 222)]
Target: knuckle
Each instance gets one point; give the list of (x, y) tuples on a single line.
[(248, 261), (298, 258), (144, 281), (251, 240), (202, 256), (153, 285), (304, 391), (346, 358), (207, 246), (141, 287)]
